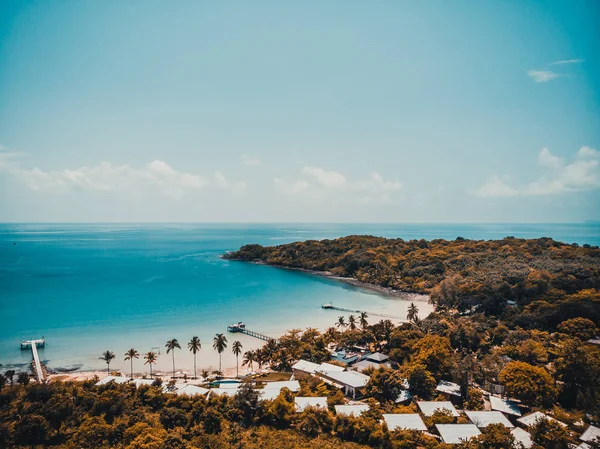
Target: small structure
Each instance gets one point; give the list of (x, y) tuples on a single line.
[(457, 433), (523, 437), (406, 421), (375, 360), (351, 410), (429, 407), (115, 379), (304, 367), (347, 358), (328, 367), (302, 403), (231, 392), (269, 394), (533, 418), (192, 390), (449, 389), (484, 418), (505, 406), (292, 385), (140, 382), (351, 382), (592, 433)]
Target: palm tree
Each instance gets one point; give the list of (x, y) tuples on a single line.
[(130, 355), (150, 360), (219, 345), (171, 345), (260, 357), (107, 356), (363, 320), (352, 322), (413, 313), (249, 359), (10, 374), (341, 322), (194, 346), (236, 348)]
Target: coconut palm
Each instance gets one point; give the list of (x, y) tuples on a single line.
[(171, 345), (150, 358), (10, 374), (107, 356), (236, 348), (413, 313), (249, 359), (352, 322), (363, 320), (130, 355), (341, 322), (260, 357), (219, 345), (194, 345)]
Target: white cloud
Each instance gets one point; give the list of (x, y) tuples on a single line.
[(581, 174), (290, 188), (124, 179), (251, 161), (326, 178), (542, 76), (568, 61)]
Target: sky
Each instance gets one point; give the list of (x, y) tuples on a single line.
[(311, 111)]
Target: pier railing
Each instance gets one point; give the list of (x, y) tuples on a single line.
[(383, 315), (249, 332)]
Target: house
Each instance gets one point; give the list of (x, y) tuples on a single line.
[(115, 379), (457, 433), (505, 406), (352, 383), (269, 394), (449, 389), (484, 418), (523, 437), (406, 421), (302, 403), (375, 360), (429, 407), (328, 367), (304, 367), (533, 418), (292, 385), (592, 433), (140, 382), (231, 392), (351, 410), (344, 357), (192, 390)]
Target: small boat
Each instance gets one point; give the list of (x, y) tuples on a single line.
[(238, 327), (327, 306)]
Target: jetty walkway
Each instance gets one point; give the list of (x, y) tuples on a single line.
[(241, 328), (383, 315), (37, 365)]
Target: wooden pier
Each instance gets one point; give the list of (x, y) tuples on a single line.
[(377, 314), (37, 365), (241, 328)]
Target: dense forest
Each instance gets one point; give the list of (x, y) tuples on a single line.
[(549, 281)]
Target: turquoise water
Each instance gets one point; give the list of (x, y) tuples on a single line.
[(88, 288)]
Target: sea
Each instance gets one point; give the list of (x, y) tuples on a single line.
[(88, 288)]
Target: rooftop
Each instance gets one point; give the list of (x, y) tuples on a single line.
[(429, 407), (457, 433), (328, 367), (410, 421), (292, 385), (523, 437), (483, 419), (351, 410), (115, 379), (192, 390), (350, 378), (364, 365), (505, 406), (533, 418), (449, 388), (376, 357), (269, 394), (591, 433), (304, 402), (306, 366)]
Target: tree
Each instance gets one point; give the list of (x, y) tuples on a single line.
[(108, 357), (219, 345), (236, 348), (420, 381), (56, 411), (341, 322), (549, 434), (413, 313), (2, 381), (582, 328), (23, 379), (10, 374), (194, 345), (363, 320), (493, 436), (352, 322), (531, 384), (171, 346), (130, 355), (150, 358), (385, 385), (435, 353), (31, 430), (249, 359)]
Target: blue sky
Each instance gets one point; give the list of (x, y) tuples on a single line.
[(388, 111)]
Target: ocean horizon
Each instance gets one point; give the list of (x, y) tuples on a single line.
[(93, 287)]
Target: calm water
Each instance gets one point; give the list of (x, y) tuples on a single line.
[(88, 288)]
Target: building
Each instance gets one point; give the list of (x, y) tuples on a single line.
[(115, 379), (292, 385), (352, 383), (351, 410), (505, 406), (523, 437), (375, 360), (406, 421), (302, 403), (450, 390), (192, 390), (328, 367), (429, 407), (484, 418), (304, 368), (592, 433), (533, 418), (457, 433)]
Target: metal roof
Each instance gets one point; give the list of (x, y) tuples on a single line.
[(224, 391), (192, 390), (140, 382), (328, 367), (376, 357), (449, 388), (305, 366), (349, 378), (428, 407), (364, 365), (533, 418), (505, 406), (115, 379), (304, 402), (483, 418), (292, 385), (457, 433), (351, 410), (411, 421), (591, 433), (523, 437), (269, 394)]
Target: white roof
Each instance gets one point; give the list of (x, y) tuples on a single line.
[(304, 402), (533, 418), (591, 433), (292, 385), (428, 407), (505, 406), (306, 366), (140, 382), (523, 437), (410, 421), (224, 391), (328, 367), (457, 433), (449, 388), (269, 394), (364, 365), (404, 396), (115, 379), (376, 357), (351, 410), (192, 390), (483, 419), (584, 445), (350, 378)]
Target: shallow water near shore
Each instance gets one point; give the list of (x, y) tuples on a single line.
[(89, 288)]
